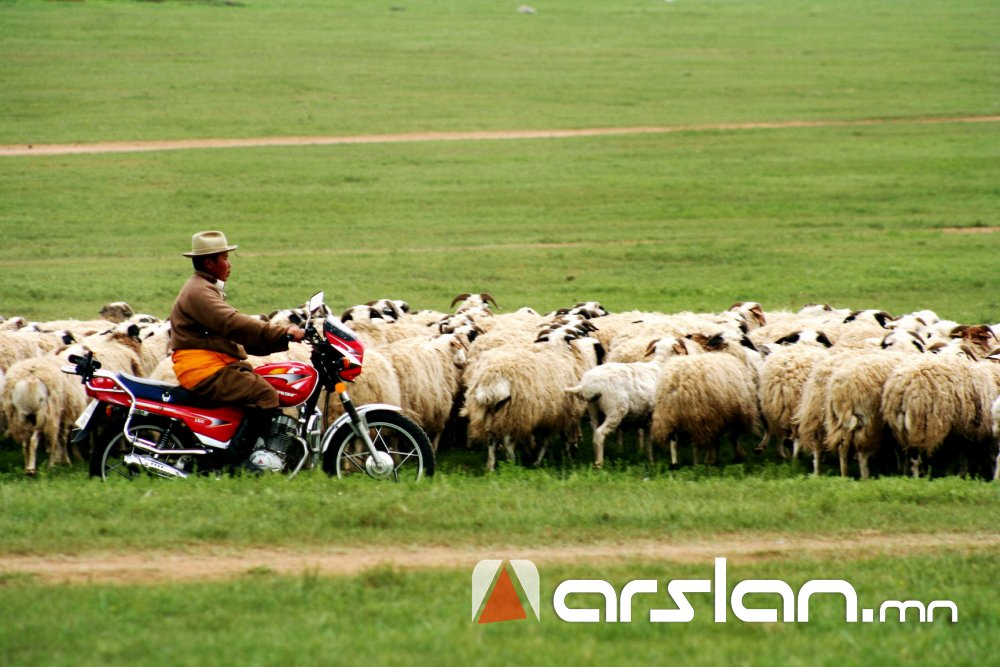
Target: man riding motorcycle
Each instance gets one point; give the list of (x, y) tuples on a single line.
[(210, 340)]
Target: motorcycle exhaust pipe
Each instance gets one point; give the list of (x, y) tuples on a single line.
[(158, 467)]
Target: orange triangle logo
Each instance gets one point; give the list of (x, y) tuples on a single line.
[(503, 603)]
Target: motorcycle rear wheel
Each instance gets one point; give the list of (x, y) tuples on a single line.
[(107, 461), (405, 453)]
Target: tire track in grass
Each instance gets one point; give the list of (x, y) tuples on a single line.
[(218, 563), (24, 150)]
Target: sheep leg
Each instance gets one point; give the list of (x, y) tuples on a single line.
[(915, 465), (541, 453), (764, 442), (842, 453), (673, 454), (816, 462), (491, 455), (640, 438), (863, 462), (696, 454), (783, 449), (31, 455), (612, 421), (996, 470), (508, 446), (435, 441), (741, 454)]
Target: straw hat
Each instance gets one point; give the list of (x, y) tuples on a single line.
[(208, 243)]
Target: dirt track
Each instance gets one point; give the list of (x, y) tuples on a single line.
[(143, 146), (218, 563)]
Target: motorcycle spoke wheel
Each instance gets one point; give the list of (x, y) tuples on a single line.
[(403, 450), (109, 464)]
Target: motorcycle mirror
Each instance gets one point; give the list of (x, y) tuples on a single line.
[(316, 302)]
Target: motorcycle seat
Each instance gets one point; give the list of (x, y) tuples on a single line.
[(161, 392)]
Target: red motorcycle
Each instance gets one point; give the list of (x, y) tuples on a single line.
[(157, 428)]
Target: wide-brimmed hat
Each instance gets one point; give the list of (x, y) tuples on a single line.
[(208, 243)]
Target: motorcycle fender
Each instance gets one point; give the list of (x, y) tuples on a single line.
[(85, 422), (345, 418)]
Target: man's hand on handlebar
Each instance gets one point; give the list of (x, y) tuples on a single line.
[(295, 333)]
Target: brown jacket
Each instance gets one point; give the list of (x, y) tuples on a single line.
[(202, 320)]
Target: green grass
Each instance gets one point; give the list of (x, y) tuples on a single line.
[(97, 71), (388, 616), (849, 216), (67, 514), (686, 221)]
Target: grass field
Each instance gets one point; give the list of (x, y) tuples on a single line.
[(852, 215)]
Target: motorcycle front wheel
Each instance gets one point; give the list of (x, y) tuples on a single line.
[(109, 462), (403, 451)]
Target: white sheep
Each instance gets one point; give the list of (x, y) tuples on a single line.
[(995, 411), (853, 411), (934, 397), (378, 383), (118, 350), (516, 393), (703, 396), (429, 373), (40, 404), (625, 391), (783, 377)]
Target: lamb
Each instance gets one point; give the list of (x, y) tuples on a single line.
[(935, 397), (40, 404), (516, 392), (429, 373), (625, 391), (702, 396)]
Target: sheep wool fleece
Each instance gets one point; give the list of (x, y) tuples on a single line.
[(202, 320)]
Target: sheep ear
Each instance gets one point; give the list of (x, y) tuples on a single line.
[(883, 317), (600, 352), (460, 297), (651, 348), (715, 342), (679, 348), (133, 331), (375, 315), (789, 339), (489, 298), (747, 343), (68, 339), (823, 340), (853, 316)]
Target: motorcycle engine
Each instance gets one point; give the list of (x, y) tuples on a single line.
[(272, 453)]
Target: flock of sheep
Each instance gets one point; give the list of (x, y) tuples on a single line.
[(905, 391)]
